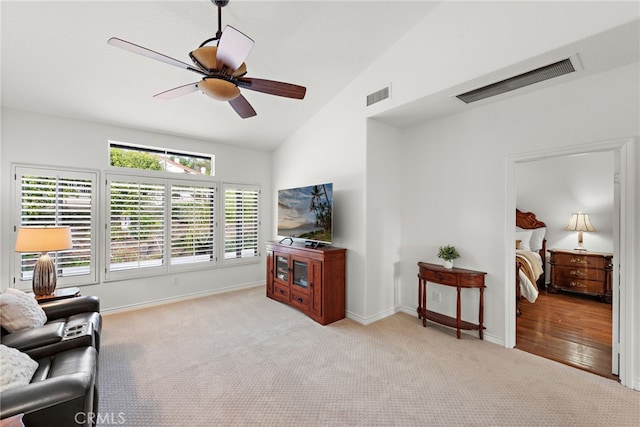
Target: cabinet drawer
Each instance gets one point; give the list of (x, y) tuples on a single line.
[(281, 292), (579, 285), (300, 300), (581, 261), (576, 273), (470, 281), (440, 277)]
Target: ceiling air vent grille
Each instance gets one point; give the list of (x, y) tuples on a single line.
[(530, 77), (378, 96)]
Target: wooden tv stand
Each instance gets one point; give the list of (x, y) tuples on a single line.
[(311, 279), (458, 278)]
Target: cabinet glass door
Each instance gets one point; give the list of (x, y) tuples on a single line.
[(282, 268), (301, 273)]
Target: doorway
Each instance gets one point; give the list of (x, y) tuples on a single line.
[(623, 287), (562, 326)]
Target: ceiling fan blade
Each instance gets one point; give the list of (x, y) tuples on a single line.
[(272, 87), (132, 47), (242, 107), (177, 91), (233, 48)]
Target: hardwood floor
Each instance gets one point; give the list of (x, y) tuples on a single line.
[(570, 329)]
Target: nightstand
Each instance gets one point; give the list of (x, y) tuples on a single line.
[(581, 272)]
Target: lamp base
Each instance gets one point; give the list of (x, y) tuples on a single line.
[(44, 276)]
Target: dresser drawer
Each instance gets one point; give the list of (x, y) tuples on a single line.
[(583, 261), (441, 277), (580, 273), (579, 285)]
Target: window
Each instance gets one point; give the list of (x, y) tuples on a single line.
[(63, 198), (241, 223), (160, 159), (192, 224), (159, 225), (136, 224)]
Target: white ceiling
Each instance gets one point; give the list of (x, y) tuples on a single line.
[(55, 60)]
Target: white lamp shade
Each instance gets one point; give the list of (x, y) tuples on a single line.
[(580, 222), (43, 239)]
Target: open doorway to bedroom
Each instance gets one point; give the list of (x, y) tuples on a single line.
[(573, 319)]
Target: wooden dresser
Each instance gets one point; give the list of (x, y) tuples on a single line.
[(581, 272)]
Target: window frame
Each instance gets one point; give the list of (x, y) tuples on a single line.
[(92, 176), (166, 152), (223, 202), (167, 179)]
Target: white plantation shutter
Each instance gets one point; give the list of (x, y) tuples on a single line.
[(241, 223), (192, 224), (47, 197), (136, 224)]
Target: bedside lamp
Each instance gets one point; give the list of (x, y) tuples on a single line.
[(580, 222), (43, 240)]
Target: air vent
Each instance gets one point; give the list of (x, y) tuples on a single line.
[(530, 77), (378, 96)]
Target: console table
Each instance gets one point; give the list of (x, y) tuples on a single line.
[(458, 278)]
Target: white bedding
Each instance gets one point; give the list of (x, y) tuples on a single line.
[(528, 288)]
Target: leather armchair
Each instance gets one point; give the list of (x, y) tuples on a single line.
[(62, 392), (71, 322)]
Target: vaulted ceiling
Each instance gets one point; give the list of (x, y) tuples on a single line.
[(56, 60)]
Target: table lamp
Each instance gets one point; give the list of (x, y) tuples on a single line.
[(580, 222), (43, 240)]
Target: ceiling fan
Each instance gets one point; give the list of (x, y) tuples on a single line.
[(222, 67)]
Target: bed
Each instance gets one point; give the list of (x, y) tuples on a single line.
[(530, 257)]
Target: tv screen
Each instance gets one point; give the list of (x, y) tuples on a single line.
[(306, 213)]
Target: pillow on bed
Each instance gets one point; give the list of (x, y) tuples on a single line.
[(537, 237), (525, 238)]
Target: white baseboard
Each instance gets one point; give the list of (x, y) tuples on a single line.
[(178, 298)]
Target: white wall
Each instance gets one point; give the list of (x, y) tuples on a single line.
[(29, 138), (468, 151), (383, 220)]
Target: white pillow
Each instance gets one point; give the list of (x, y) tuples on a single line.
[(20, 311), (525, 238), (17, 368), (537, 238)]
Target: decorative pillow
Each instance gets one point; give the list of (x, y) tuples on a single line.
[(525, 238), (537, 238), (17, 368), (20, 311)]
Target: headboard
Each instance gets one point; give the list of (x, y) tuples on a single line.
[(528, 221)]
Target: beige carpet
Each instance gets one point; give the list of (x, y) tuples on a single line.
[(240, 359)]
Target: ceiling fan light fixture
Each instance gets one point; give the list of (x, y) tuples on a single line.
[(206, 57), (219, 89)]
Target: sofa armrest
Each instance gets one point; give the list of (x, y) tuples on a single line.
[(28, 339), (70, 306), (68, 391), (44, 394)]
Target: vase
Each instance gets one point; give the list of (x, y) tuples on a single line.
[(447, 264)]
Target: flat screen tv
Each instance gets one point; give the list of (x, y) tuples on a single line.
[(306, 213)]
